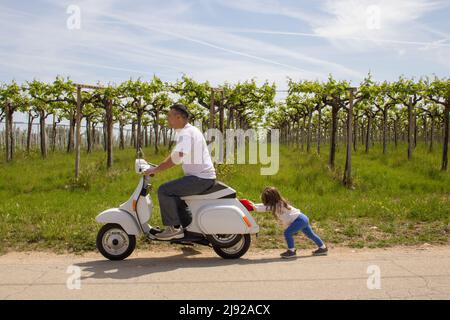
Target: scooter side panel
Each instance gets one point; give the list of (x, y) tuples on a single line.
[(222, 220), (197, 206)]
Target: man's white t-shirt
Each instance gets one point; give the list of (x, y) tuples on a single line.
[(196, 160)]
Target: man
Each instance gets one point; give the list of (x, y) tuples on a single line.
[(199, 173)]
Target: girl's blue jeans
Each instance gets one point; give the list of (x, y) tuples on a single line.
[(301, 224)]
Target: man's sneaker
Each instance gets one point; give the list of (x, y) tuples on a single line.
[(320, 252), (170, 233), (288, 254)]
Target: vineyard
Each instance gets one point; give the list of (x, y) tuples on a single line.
[(368, 162)]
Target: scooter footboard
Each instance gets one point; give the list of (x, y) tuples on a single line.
[(121, 217), (225, 219)]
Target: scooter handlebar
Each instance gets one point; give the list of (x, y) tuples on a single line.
[(142, 166)]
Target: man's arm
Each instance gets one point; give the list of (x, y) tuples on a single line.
[(166, 164), (175, 157)]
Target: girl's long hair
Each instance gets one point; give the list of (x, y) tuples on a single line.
[(273, 200)]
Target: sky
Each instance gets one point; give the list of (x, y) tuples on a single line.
[(109, 41)]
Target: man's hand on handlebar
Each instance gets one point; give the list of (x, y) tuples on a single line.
[(150, 171)]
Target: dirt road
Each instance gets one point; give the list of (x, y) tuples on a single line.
[(394, 273)]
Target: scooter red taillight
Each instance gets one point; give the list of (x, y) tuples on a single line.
[(247, 204)]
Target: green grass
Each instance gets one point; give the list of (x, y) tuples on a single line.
[(394, 201)]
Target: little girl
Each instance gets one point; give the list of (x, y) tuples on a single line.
[(292, 218)]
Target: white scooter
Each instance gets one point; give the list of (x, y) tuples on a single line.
[(219, 220)]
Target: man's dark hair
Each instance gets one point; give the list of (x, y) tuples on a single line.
[(181, 109)]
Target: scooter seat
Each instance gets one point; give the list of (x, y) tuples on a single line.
[(218, 190)]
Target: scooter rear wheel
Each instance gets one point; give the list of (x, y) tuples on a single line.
[(236, 251), (224, 240), (114, 243)]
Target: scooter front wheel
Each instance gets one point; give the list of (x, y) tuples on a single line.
[(236, 251), (114, 243)]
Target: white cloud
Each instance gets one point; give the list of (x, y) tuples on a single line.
[(119, 40), (298, 11), (380, 21), (113, 42), (353, 24)]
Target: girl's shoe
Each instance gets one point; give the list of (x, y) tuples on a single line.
[(288, 254), (320, 252)]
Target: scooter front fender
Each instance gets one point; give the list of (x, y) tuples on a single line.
[(121, 217)]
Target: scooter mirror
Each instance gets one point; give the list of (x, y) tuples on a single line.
[(140, 154)]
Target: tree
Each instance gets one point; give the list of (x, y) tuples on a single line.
[(122, 115), (105, 98), (335, 95), (62, 91), (90, 113), (31, 116), (43, 103), (379, 97), (12, 99), (308, 94), (408, 93), (246, 102), (143, 97), (158, 100), (296, 111), (194, 92), (438, 91), (347, 179)]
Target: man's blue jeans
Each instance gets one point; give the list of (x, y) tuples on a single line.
[(169, 195), (301, 224)]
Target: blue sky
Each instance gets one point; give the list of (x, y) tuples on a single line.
[(224, 40)]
